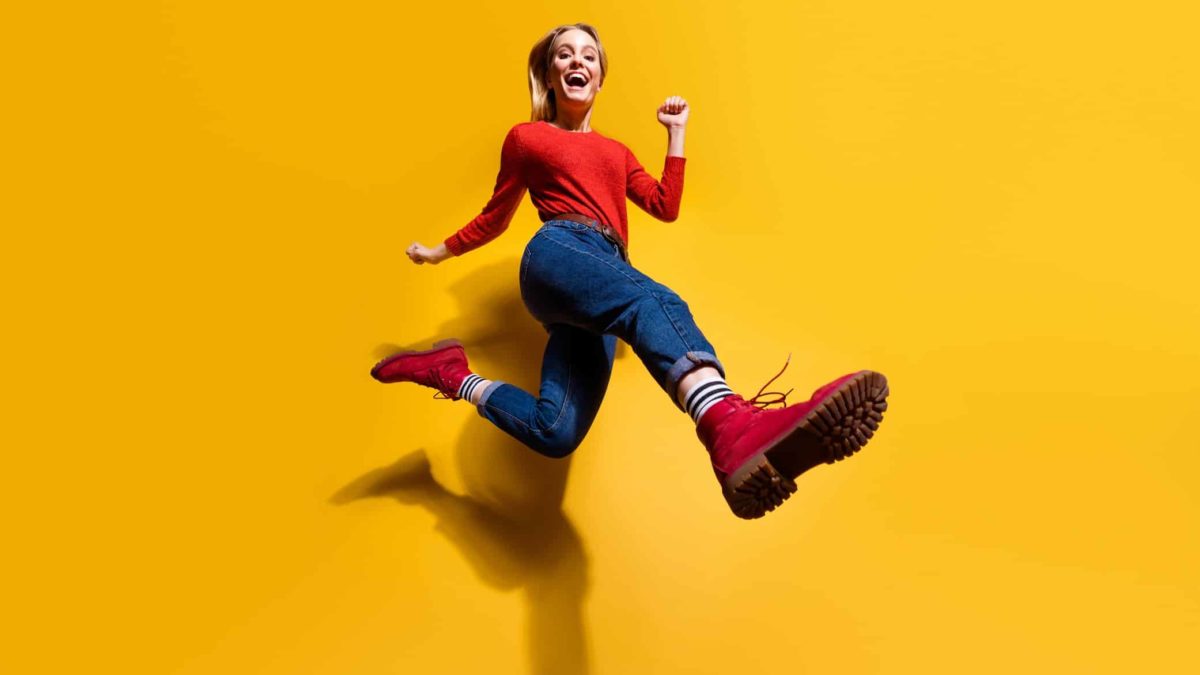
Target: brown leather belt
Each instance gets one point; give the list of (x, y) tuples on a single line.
[(605, 230)]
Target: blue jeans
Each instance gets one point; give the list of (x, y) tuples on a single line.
[(574, 281)]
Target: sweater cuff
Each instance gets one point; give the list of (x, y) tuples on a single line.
[(674, 165), (455, 245)]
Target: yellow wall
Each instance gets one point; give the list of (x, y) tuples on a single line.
[(206, 209)]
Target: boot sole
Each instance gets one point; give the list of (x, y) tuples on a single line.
[(837, 427), (437, 346)]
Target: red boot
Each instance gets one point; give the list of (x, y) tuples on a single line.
[(757, 453), (444, 368)]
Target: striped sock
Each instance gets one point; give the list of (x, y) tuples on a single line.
[(468, 386), (703, 395)]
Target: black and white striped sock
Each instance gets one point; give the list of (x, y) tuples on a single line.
[(703, 395), (468, 386)]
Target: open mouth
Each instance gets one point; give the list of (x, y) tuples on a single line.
[(576, 81)]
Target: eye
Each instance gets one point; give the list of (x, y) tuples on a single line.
[(590, 57)]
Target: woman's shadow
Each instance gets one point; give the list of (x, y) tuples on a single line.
[(509, 525)]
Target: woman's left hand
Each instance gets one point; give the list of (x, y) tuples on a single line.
[(673, 113)]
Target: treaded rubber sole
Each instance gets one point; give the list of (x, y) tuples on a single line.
[(437, 346), (837, 427), (759, 490)]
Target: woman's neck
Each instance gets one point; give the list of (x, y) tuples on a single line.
[(573, 120)]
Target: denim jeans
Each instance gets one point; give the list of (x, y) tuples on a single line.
[(574, 281)]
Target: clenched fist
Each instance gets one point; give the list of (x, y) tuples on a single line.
[(673, 112), (421, 254)]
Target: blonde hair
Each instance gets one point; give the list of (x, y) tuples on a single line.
[(541, 96)]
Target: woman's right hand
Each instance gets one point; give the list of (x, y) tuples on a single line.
[(421, 254), (673, 113)]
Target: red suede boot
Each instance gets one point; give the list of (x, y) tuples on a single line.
[(757, 453), (444, 368)]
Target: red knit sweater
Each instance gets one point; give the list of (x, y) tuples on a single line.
[(570, 172)]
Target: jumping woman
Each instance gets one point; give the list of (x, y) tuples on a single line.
[(576, 279)]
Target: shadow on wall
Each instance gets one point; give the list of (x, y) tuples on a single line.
[(509, 525)]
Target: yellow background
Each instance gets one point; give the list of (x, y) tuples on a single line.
[(205, 215)]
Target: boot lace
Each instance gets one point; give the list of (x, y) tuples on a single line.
[(781, 397), (442, 387)]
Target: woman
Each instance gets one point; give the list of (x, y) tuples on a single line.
[(576, 280)]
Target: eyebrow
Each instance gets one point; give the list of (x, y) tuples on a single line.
[(568, 45)]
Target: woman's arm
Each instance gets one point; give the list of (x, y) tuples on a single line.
[(661, 199), (495, 217)]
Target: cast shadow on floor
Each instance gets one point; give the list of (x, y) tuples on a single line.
[(510, 525)]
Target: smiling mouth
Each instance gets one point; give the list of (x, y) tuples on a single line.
[(576, 81)]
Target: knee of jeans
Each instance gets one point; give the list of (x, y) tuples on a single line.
[(557, 443), (669, 296), (658, 307), (659, 294)]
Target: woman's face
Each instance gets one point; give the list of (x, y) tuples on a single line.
[(574, 72)]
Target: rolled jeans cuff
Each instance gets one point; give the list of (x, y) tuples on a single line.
[(487, 393), (686, 364)]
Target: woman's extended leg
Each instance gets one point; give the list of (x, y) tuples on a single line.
[(575, 371)]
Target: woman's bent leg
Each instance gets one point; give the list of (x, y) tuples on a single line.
[(575, 371), (569, 276)]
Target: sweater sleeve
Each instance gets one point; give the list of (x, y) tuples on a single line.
[(659, 199), (506, 197)]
